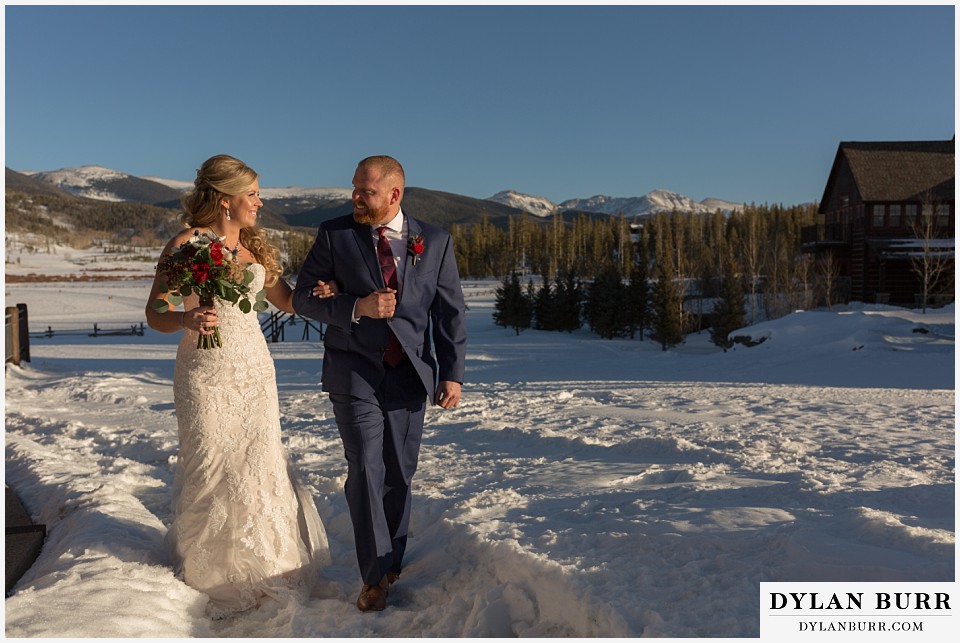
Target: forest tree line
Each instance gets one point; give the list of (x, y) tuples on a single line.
[(664, 276)]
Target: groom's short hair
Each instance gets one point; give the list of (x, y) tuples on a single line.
[(386, 164)]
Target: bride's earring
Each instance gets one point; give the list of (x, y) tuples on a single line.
[(228, 215)]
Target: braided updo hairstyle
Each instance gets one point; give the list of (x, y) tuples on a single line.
[(223, 176)]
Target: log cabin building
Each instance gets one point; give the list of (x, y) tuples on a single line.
[(870, 220)]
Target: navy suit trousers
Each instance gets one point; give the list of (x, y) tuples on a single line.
[(381, 437)]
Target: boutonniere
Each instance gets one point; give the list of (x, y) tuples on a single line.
[(415, 248)]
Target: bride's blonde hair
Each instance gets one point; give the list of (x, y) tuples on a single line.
[(224, 176)]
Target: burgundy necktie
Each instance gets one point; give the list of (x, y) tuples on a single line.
[(394, 353)]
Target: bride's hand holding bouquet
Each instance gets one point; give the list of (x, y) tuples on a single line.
[(204, 266)]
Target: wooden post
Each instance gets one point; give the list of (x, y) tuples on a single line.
[(24, 333), (12, 327), (18, 334)]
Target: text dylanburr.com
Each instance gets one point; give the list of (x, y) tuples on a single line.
[(841, 611)]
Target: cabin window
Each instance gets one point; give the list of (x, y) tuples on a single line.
[(877, 216), (910, 215), (895, 217)]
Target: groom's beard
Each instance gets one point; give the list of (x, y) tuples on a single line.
[(370, 216)]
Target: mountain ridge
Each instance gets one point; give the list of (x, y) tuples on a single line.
[(104, 184), (289, 207), (98, 182), (646, 205)]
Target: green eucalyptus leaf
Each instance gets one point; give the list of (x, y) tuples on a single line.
[(160, 305), (244, 305), (175, 299)]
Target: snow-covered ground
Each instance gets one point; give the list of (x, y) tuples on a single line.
[(584, 487)]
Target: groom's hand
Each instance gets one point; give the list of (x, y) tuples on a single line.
[(325, 289), (448, 394), (379, 304)]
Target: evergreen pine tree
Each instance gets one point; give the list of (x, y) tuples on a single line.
[(605, 311), (728, 314), (544, 307), (568, 297), (512, 309), (665, 306)]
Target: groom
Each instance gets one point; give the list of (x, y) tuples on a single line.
[(399, 288)]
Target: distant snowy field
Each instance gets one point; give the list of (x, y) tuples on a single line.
[(584, 487)]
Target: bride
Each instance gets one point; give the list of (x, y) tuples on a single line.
[(243, 528)]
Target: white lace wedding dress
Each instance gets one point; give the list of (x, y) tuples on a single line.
[(243, 527)]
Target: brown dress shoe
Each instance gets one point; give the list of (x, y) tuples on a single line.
[(392, 577), (373, 598)]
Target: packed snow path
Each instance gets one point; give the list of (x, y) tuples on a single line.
[(542, 509)]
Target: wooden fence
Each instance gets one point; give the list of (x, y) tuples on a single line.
[(274, 327), (18, 331), (97, 331)]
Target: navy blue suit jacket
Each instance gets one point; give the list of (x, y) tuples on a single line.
[(430, 307)]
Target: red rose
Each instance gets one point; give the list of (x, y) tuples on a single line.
[(201, 272), (216, 253), (415, 246)]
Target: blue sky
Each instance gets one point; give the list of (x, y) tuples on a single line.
[(742, 103)]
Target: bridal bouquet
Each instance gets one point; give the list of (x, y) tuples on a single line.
[(202, 265)]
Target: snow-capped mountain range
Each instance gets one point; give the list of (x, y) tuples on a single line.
[(97, 182), (91, 181), (536, 205), (650, 203)]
